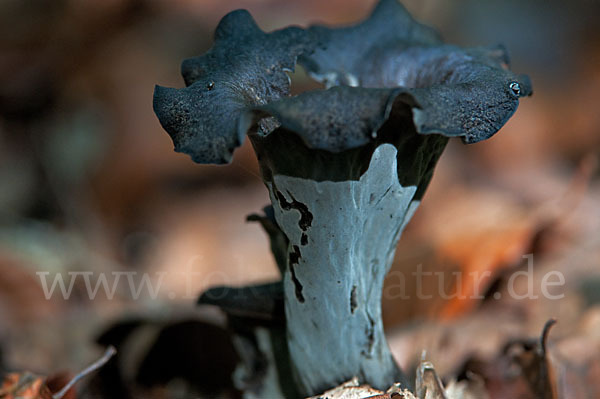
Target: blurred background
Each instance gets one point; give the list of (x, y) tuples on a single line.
[(89, 183)]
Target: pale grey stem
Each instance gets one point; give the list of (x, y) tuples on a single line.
[(342, 238)]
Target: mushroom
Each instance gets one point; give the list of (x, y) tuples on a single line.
[(345, 166)]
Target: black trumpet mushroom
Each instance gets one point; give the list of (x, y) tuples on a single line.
[(345, 166)]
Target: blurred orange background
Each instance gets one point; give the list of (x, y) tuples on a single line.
[(89, 180)]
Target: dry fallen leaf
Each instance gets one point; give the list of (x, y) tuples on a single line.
[(354, 390), (428, 386), (522, 369), (26, 385)]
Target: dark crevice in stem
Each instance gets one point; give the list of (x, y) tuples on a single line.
[(306, 217), (353, 302), (304, 239), (294, 258), (370, 333)]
